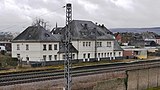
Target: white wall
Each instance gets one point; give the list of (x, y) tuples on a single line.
[(158, 41), (35, 52), (103, 50)]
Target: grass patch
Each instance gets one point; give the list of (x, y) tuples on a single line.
[(56, 67), (27, 68), (155, 88), (7, 62), (113, 84)]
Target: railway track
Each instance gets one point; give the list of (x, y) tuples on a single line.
[(27, 77)]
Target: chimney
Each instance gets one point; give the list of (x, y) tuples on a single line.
[(102, 26)]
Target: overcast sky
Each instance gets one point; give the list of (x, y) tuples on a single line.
[(16, 15)]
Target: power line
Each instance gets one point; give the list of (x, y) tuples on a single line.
[(51, 12), (7, 27)]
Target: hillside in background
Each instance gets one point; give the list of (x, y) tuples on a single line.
[(136, 30)]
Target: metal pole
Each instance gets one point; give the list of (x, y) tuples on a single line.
[(95, 44), (68, 56)]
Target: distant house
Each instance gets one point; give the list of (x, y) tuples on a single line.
[(157, 39), (135, 53), (142, 43), (7, 45), (2, 48), (148, 36), (35, 44), (89, 41), (137, 43), (150, 43), (151, 36), (124, 38), (118, 37)]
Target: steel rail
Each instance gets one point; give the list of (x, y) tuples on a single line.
[(78, 71)]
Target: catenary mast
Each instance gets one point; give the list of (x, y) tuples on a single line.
[(68, 56)]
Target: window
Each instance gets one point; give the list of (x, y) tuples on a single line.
[(119, 53), (50, 57), (18, 47), (97, 44), (86, 43), (98, 54), (55, 46), (102, 54), (44, 47), (100, 44), (73, 56), (27, 47), (89, 44), (18, 55), (50, 47), (84, 55), (88, 55), (55, 57), (114, 54), (44, 57), (107, 54), (110, 54), (46, 35), (64, 57), (27, 58), (136, 52), (108, 44), (83, 44)]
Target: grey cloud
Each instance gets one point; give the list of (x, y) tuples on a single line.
[(143, 13)]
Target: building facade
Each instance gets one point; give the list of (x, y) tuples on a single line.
[(89, 41)]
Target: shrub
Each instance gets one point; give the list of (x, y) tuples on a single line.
[(8, 61), (3, 52)]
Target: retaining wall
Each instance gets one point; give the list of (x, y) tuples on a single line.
[(143, 79)]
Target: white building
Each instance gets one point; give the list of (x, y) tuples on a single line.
[(35, 44), (89, 41)]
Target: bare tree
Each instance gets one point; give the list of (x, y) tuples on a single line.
[(40, 22)]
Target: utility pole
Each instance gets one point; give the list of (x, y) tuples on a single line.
[(95, 33), (68, 55), (95, 29)]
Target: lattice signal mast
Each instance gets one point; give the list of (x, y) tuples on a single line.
[(68, 56)]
